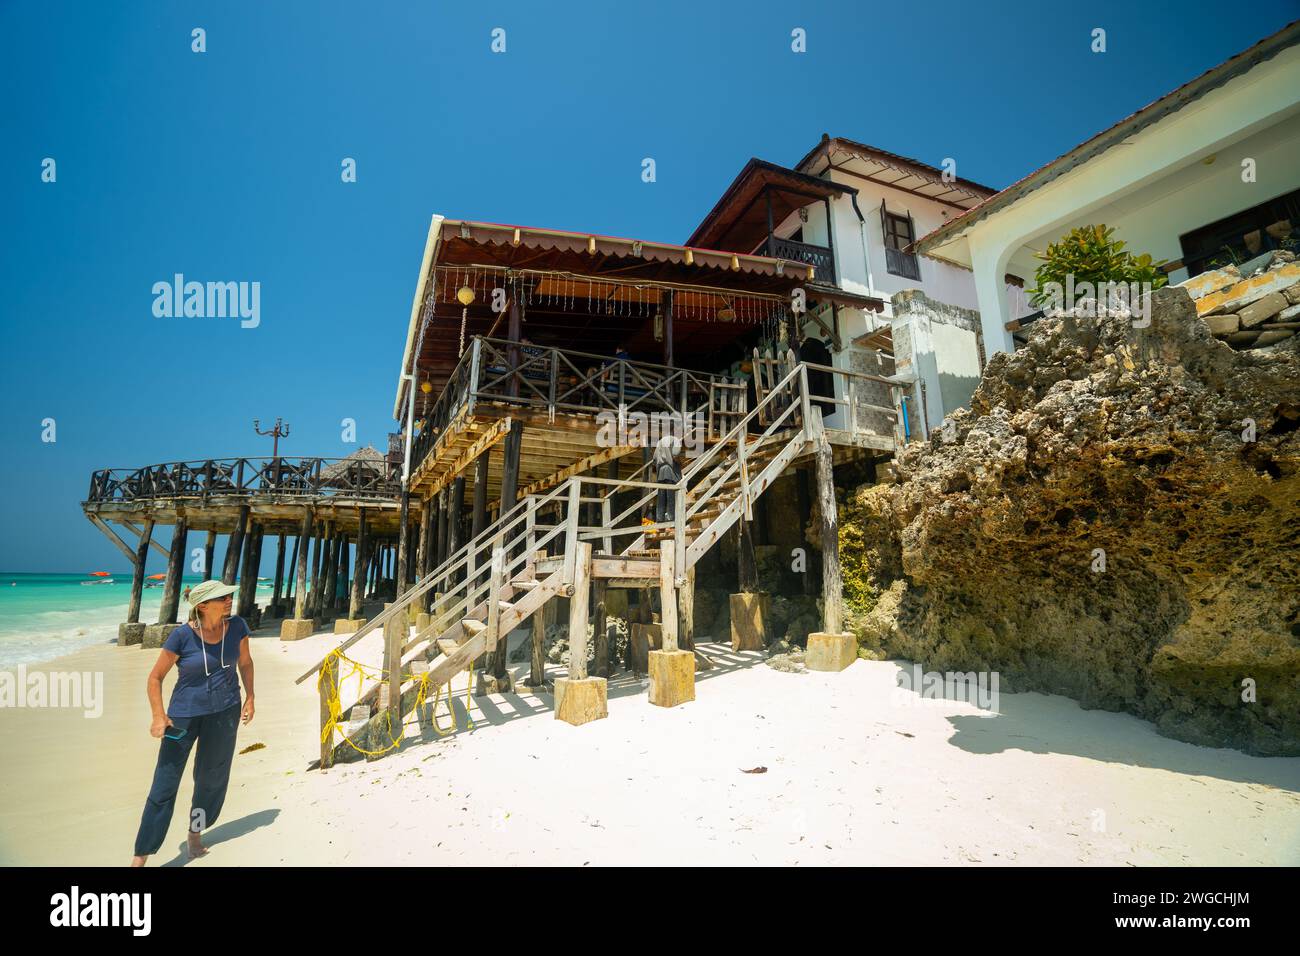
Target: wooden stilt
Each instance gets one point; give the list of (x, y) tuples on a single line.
[(668, 596), (340, 600), (247, 574), (600, 629), (745, 561), (686, 612), (256, 566), (832, 582), (329, 680), (403, 542), (455, 517), (479, 521), (209, 551), (137, 576), (579, 609), (424, 543), (509, 489), (235, 547), (331, 577), (537, 668), (171, 597), (804, 495), (288, 585), (440, 527), (304, 539), (279, 573), (359, 569)]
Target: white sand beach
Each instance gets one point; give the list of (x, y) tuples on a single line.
[(852, 778)]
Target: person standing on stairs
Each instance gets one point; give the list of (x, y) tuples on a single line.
[(667, 471)]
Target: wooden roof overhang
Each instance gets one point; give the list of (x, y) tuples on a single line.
[(585, 291), (739, 220), (897, 172)]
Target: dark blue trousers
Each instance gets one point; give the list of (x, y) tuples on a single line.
[(215, 735)]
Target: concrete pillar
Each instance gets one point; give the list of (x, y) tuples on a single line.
[(989, 264)]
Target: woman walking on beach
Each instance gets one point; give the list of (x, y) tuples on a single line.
[(204, 708)]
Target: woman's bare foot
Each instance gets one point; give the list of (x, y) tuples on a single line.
[(138, 860), (197, 849)]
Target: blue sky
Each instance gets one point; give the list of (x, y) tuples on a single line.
[(225, 165)]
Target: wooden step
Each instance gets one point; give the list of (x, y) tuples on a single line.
[(525, 585)]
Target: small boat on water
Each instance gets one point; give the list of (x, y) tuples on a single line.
[(101, 577)]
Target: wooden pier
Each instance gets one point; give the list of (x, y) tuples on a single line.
[(340, 517)]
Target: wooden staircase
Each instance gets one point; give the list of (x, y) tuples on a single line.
[(473, 604)]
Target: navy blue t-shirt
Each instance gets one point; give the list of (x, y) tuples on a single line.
[(199, 692)]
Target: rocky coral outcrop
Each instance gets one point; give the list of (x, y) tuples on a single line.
[(1116, 518)]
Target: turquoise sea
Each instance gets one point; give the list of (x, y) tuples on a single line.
[(43, 616)]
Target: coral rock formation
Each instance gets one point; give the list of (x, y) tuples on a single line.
[(1117, 519)]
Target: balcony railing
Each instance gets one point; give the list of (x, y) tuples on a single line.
[(820, 257), (563, 381), (902, 264), (247, 477)]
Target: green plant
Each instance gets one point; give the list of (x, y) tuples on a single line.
[(1090, 254)]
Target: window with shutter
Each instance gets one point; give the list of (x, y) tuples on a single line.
[(899, 233)]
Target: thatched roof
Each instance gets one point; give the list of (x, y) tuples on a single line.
[(343, 466)]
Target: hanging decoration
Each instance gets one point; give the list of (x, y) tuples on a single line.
[(609, 297)]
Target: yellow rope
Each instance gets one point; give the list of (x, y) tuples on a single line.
[(335, 704)]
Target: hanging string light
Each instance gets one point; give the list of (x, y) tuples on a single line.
[(465, 296)]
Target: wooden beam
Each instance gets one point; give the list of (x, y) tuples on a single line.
[(612, 453), (113, 536), (156, 545), (481, 445)]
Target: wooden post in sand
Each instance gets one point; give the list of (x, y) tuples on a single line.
[(672, 670), (579, 611), (209, 550), (537, 667), (403, 540), (279, 573), (137, 577), (358, 569), (328, 685), (600, 628), (579, 698), (686, 612), (331, 576), (304, 538), (829, 649), (234, 547), (832, 582), (247, 574), (455, 517), (171, 598), (288, 585)]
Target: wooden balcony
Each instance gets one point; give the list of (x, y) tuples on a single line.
[(820, 257)]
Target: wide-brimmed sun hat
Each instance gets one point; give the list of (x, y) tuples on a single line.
[(210, 590)]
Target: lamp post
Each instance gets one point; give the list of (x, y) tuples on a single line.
[(281, 430)]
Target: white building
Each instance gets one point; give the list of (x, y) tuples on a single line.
[(1206, 175), (853, 211)]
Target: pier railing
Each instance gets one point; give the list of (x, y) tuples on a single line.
[(246, 477)]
